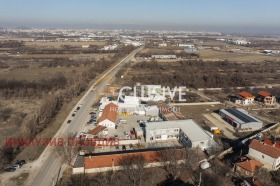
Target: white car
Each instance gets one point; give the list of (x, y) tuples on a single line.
[(205, 165)]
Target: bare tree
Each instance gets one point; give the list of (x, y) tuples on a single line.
[(133, 167), (173, 162), (68, 150), (264, 176)]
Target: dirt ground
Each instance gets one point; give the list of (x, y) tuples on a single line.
[(210, 55), (61, 43)]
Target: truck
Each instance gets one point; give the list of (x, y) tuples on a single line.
[(216, 130)]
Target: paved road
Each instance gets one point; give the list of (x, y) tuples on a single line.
[(49, 171)]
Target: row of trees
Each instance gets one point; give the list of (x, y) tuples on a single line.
[(200, 74)]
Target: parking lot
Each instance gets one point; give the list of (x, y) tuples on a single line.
[(131, 122)]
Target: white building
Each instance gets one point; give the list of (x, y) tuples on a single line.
[(109, 116), (186, 45), (266, 152), (241, 42), (164, 56), (187, 132)]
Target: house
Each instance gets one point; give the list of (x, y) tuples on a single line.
[(240, 119), (247, 168), (266, 98), (98, 130), (267, 152), (187, 132), (246, 98), (109, 116)]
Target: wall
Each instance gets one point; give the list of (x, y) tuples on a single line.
[(267, 160)]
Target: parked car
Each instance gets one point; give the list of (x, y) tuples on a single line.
[(205, 165), (92, 113), (21, 162), (10, 169), (16, 165), (143, 125), (73, 114), (69, 121), (124, 148)]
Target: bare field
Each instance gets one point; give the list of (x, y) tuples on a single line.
[(32, 74), (96, 56), (59, 44), (234, 56)]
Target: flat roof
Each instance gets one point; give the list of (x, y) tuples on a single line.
[(239, 115), (189, 127)]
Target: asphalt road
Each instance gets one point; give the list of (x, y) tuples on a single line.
[(50, 167)]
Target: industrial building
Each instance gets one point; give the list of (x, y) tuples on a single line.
[(240, 119), (187, 132)]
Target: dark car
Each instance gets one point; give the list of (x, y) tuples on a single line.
[(69, 121), (17, 165), (73, 114), (142, 125), (92, 113), (11, 169), (21, 162), (123, 147)]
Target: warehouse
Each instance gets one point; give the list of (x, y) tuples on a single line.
[(187, 132), (240, 119)]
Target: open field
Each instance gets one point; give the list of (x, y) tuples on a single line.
[(210, 55), (59, 44), (32, 56)]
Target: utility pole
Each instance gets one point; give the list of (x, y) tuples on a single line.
[(199, 179)]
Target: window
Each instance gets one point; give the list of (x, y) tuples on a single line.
[(201, 143), (158, 137), (176, 130), (170, 136)]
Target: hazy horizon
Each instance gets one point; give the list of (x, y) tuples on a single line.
[(239, 16)]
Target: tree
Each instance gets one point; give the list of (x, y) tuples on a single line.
[(264, 176), (133, 168), (172, 161), (68, 150)]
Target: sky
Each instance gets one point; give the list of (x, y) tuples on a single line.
[(244, 16)]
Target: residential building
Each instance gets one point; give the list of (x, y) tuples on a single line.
[(267, 152), (109, 116), (247, 168), (98, 131), (187, 132), (247, 98), (240, 119), (266, 98)]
